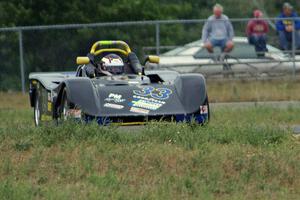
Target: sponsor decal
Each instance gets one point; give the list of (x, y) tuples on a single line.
[(146, 103), (204, 109), (49, 106), (156, 93), (139, 110), (116, 98), (114, 106)]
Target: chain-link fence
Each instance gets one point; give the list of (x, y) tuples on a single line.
[(55, 48)]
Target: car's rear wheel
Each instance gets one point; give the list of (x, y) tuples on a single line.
[(37, 111)]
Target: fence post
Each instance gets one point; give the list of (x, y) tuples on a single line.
[(157, 32), (294, 49), (21, 60)]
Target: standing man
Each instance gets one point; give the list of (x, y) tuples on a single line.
[(256, 31), (286, 24), (218, 31)]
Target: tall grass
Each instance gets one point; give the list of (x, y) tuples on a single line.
[(253, 90), (241, 154)]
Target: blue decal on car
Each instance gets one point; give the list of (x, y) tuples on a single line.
[(157, 93), (198, 118)]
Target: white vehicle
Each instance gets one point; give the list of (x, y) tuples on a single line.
[(243, 60)]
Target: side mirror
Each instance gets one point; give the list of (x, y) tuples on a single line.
[(152, 59), (82, 60)]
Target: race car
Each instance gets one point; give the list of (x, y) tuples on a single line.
[(110, 86)]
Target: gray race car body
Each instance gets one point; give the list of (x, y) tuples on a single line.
[(126, 99)]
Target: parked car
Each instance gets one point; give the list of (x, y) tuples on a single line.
[(193, 57)]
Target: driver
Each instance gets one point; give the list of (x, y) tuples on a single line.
[(111, 64)]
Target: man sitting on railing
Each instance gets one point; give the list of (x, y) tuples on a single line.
[(286, 25), (218, 31), (256, 31)]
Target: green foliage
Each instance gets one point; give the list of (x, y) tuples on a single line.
[(38, 12)]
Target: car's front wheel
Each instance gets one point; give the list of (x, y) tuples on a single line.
[(208, 109), (68, 110), (65, 106)]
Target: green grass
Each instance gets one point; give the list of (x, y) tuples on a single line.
[(253, 90), (242, 154)]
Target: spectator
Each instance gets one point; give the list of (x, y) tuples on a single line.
[(285, 26), (218, 31), (256, 31)]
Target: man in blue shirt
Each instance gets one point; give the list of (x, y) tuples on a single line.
[(286, 24)]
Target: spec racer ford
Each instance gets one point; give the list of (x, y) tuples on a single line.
[(111, 86)]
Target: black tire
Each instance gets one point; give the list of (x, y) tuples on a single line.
[(37, 110), (207, 103), (64, 107)]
